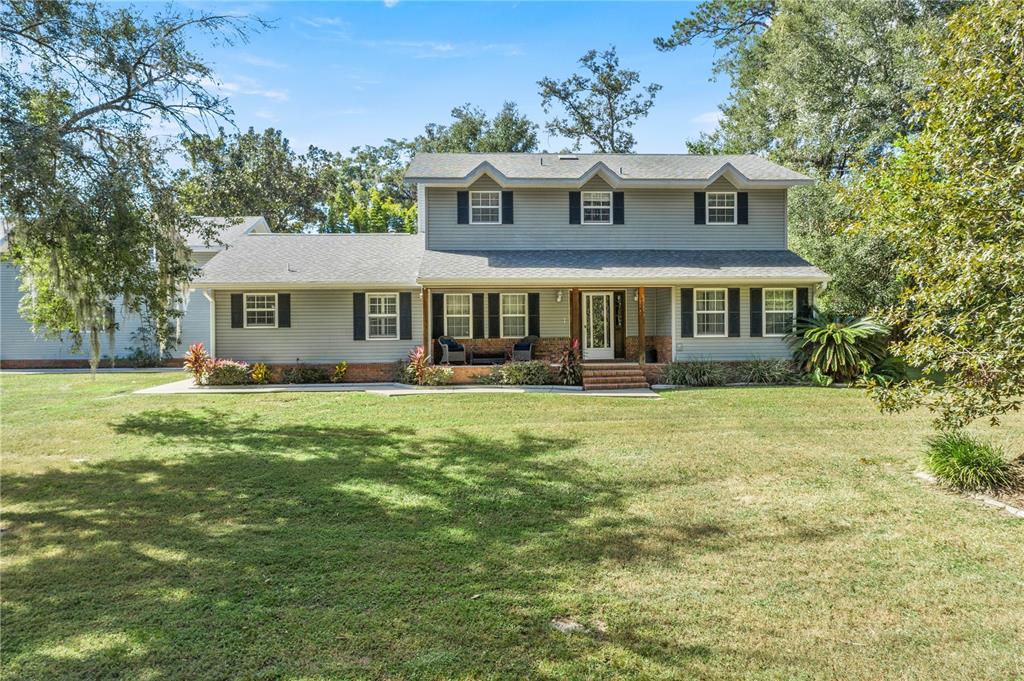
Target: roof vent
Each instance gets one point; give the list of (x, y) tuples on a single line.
[(568, 157)]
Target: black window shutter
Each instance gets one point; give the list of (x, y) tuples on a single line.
[(741, 208), (686, 311), (237, 318), (284, 310), (574, 208), (493, 315), (803, 307), (755, 313), (506, 209), (462, 205), (436, 315), (405, 315), (618, 208), (533, 314), (358, 316), (699, 213), (478, 315), (734, 312)]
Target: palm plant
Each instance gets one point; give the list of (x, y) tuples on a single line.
[(837, 346)]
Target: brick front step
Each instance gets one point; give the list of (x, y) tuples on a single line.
[(613, 376), (615, 386)]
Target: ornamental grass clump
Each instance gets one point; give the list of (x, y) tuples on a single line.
[(968, 464), (697, 373)]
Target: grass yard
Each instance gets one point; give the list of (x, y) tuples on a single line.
[(722, 533)]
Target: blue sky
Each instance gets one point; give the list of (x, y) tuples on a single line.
[(343, 74)]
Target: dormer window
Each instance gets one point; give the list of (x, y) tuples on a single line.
[(721, 208), (485, 208), (597, 208)]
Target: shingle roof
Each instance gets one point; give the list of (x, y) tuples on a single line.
[(619, 168), (317, 259), (583, 266), (229, 229)]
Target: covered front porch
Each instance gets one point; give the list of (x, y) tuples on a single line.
[(624, 324)]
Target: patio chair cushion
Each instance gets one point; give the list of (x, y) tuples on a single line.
[(451, 343), (522, 347)]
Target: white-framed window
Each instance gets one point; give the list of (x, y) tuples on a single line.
[(779, 311), (382, 316), (597, 208), (260, 311), (458, 315), (485, 208), (513, 315), (709, 308), (721, 208)]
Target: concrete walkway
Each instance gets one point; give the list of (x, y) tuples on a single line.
[(186, 386)]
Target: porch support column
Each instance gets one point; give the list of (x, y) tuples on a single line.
[(641, 321), (575, 317), (428, 347)]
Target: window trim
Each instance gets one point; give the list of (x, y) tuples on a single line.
[(396, 315), (525, 316), (583, 211), (764, 310), (724, 313), (469, 316), (707, 208), (484, 191), (245, 311)]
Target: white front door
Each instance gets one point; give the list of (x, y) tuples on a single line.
[(597, 326)]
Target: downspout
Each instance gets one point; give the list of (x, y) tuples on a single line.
[(213, 321)]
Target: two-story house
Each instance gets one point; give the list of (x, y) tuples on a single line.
[(643, 258)]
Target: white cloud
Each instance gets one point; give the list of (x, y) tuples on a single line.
[(245, 86), (390, 3), (265, 115), (263, 62), (324, 22), (708, 119), (428, 49)]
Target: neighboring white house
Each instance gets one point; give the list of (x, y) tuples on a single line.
[(20, 347)]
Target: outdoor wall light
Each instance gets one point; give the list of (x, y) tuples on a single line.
[(558, 296)]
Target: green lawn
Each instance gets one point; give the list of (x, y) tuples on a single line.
[(721, 533)]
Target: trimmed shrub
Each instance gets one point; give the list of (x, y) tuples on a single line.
[(197, 361), (228, 372), (436, 375), (695, 373), (967, 464), (533, 372), (570, 364), (765, 371), (340, 369), (304, 373), (260, 373)]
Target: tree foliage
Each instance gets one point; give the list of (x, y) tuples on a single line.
[(472, 130), (952, 204), (816, 86), (91, 210), (600, 107), (257, 173)]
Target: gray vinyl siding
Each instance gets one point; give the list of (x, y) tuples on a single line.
[(321, 332), (17, 342), (735, 349), (655, 219), (554, 315), (658, 315)]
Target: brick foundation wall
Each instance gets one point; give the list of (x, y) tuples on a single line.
[(663, 344)]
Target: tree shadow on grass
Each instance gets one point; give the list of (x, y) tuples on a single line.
[(312, 550), (287, 551)]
